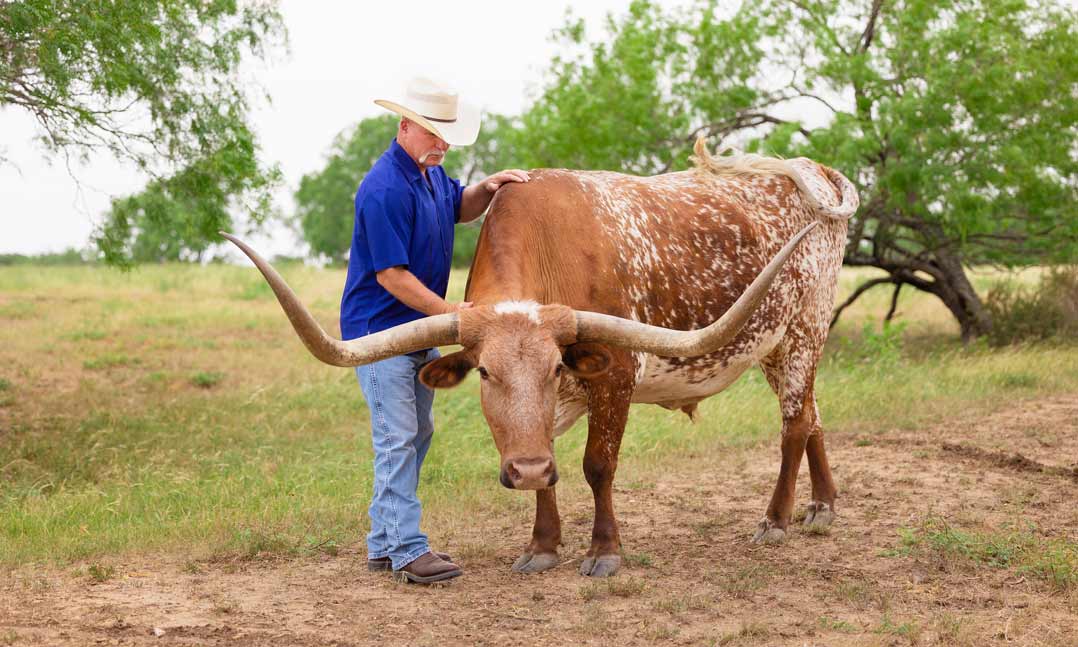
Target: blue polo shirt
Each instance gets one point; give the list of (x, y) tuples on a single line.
[(402, 219)]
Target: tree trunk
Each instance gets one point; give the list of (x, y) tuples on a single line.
[(949, 284), (957, 293)]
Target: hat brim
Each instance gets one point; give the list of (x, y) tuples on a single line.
[(462, 132)]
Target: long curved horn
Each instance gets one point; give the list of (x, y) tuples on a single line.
[(665, 342), (439, 330)]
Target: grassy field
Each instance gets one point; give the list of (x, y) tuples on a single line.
[(172, 409)]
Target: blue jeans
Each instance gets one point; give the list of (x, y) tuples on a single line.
[(402, 424)]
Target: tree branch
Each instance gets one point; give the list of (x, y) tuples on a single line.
[(861, 289), (822, 24), (894, 302), (870, 26)]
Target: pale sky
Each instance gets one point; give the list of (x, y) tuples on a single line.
[(343, 56)]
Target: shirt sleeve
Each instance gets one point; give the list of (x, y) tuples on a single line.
[(457, 191), (387, 218)]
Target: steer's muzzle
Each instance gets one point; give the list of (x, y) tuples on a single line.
[(529, 473)]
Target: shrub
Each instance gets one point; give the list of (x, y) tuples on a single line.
[(880, 347), (99, 573), (1031, 314), (206, 380)]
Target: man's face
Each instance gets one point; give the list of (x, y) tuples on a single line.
[(426, 148)]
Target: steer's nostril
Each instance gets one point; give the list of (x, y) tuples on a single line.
[(529, 473)]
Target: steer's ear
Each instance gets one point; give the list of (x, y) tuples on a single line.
[(586, 359), (448, 371)]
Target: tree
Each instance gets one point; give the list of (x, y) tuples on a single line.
[(325, 199), (155, 83), (324, 211), (955, 117)]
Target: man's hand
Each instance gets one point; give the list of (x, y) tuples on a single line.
[(477, 197), (457, 307), (495, 182)]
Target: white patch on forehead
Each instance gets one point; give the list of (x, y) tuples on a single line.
[(528, 308)]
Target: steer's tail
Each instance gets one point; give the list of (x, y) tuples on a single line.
[(817, 183)]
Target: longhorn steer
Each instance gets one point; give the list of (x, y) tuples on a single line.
[(594, 290)]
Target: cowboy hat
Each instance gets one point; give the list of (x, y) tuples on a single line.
[(438, 109)]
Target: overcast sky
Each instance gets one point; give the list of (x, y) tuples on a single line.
[(343, 56)]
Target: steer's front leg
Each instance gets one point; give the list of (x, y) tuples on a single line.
[(542, 552), (608, 409)]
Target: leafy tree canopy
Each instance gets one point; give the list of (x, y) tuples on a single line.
[(957, 118), (156, 83)]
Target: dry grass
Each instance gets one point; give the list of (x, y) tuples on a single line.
[(173, 409)]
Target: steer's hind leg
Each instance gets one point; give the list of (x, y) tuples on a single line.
[(608, 410), (542, 552), (772, 529), (821, 510), (792, 380)]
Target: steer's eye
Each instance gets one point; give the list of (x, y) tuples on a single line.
[(558, 370), (483, 373)]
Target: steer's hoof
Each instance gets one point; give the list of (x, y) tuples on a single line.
[(818, 514), (768, 533), (535, 563), (602, 566)]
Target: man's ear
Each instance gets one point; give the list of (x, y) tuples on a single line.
[(587, 359), (446, 372)]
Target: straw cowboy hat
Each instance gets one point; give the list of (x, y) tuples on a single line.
[(438, 109)]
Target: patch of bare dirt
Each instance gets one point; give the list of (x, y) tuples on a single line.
[(690, 576)]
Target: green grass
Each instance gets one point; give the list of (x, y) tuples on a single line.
[(837, 624), (100, 573), (1024, 550), (111, 360), (622, 587), (118, 444), (908, 630), (206, 379)]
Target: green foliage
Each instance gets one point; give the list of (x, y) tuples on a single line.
[(155, 83), (69, 256), (325, 199), (177, 218), (1049, 310), (954, 117), (634, 103)]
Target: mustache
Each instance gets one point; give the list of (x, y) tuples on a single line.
[(424, 156)]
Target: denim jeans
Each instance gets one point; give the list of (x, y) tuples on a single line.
[(402, 424)]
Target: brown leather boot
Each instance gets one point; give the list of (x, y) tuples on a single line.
[(427, 568), (384, 563)]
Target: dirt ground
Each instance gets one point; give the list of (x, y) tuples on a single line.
[(690, 576)]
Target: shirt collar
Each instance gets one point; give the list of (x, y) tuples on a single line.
[(405, 162)]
